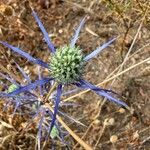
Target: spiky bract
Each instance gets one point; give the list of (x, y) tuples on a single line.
[(67, 64)]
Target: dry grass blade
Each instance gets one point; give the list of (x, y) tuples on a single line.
[(111, 78), (50, 92), (6, 124), (10, 73), (76, 137), (79, 6), (135, 37)]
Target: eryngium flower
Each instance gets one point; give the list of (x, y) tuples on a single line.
[(64, 67), (67, 64), (30, 104)]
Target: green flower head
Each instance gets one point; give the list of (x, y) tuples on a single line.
[(67, 64)]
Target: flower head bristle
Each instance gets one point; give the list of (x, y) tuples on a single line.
[(67, 64)]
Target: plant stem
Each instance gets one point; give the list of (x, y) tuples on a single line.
[(76, 137), (50, 92)]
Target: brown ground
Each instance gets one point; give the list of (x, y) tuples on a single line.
[(107, 19)]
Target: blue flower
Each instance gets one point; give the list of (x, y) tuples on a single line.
[(17, 100), (66, 67), (30, 104)]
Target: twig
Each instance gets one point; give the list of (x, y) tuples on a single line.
[(89, 127), (111, 78), (76, 137), (10, 73), (135, 37), (50, 92)]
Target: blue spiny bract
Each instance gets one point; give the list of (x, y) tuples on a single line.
[(67, 64)]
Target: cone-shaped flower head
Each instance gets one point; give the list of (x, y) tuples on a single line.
[(67, 64)]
